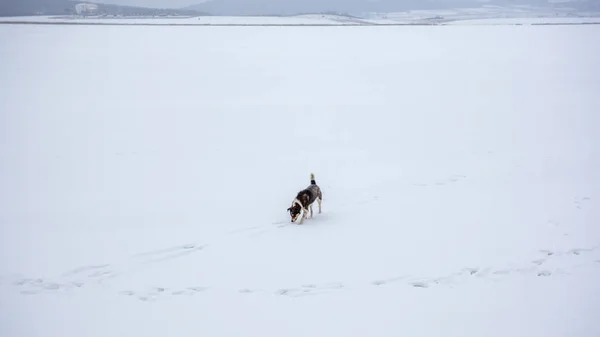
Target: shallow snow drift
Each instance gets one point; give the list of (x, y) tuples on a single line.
[(146, 172)]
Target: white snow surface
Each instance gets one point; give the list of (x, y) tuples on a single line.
[(146, 173), (526, 21)]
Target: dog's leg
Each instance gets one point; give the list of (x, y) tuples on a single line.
[(319, 200), (303, 216), (311, 211)]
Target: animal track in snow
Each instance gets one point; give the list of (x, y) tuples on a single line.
[(420, 284), (147, 297), (310, 289), (96, 273), (92, 273), (580, 202), (574, 251), (454, 178), (470, 271), (85, 269), (31, 286), (170, 253), (154, 293), (34, 286), (493, 273), (387, 281), (579, 251), (281, 224), (248, 291)]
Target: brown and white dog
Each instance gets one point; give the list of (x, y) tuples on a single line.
[(305, 199)]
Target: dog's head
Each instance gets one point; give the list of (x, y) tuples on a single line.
[(295, 211)]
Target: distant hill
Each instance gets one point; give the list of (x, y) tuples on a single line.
[(357, 7), (273, 7), (33, 7), (278, 7), (62, 7)]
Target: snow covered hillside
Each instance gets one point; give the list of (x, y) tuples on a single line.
[(146, 173), (191, 21), (485, 15)]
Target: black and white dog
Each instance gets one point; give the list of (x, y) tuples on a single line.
[(305, 199)]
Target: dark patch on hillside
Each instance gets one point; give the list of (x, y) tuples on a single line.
[(67, 7)]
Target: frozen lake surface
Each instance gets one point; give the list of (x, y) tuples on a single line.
[(146, 173)]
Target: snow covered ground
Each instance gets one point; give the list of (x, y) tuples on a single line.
[(526, 21), (146, 173)]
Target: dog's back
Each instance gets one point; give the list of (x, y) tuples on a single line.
[(308, 195)]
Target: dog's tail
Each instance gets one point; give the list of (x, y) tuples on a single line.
[(312, 179)]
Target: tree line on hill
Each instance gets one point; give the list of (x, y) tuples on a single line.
[(67, 7), (358, 7)]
